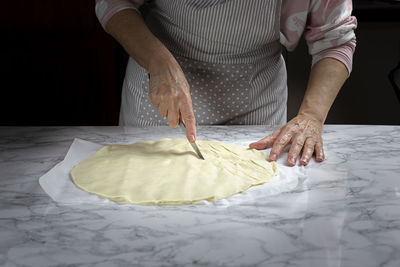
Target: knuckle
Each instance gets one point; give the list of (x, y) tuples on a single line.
[(309, 147), (269, 138), (309, 142), (294, 151), (292, 154), (320, 147), (282, 142), (189, 117), (299, 143), (275, 150), (185, 94), (175, 94), (186, 97), (276, 133)]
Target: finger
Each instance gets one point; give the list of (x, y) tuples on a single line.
[(266, 141), (153, 95), (163, 110), (295, 149), (319, 151), (173, 116), (280, 143), (189, 119), (162, 106), (154, 100), (308, 151)]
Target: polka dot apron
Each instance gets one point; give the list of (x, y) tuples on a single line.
[(230, 53)]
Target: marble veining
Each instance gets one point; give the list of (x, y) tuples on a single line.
[(345, 212)]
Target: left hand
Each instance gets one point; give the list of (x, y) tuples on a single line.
[(303, 132)]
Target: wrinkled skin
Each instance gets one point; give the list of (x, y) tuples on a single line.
[(303, 133), (170, 94)]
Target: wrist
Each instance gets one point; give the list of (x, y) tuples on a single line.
[(312, 114), (313, 107), (161, 60)]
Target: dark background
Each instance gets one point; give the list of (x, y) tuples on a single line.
[(58, 66)]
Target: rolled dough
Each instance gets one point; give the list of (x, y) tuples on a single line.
[(168, 171)]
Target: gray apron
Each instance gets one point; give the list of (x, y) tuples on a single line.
[(230, 53)]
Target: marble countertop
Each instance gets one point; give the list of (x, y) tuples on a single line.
[(346, 212)]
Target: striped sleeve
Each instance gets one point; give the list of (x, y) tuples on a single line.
[(105, 9)]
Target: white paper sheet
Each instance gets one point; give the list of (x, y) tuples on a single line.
[(59, 186)]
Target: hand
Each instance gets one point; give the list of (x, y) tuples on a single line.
[(302, 132), (170, 94)]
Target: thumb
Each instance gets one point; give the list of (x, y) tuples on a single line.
[(265, 142)]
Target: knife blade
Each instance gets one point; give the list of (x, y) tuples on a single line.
[(194, 145)]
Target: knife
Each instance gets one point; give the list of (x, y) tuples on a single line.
[(194, 145)]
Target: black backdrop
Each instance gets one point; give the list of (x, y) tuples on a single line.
[(59, 67)]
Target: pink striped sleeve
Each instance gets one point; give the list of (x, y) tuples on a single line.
[(105, 9), (327, 25), (330, 31)]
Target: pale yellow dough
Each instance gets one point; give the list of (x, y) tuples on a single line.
[(168, 171)]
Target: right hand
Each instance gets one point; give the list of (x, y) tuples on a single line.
[(170, 94)]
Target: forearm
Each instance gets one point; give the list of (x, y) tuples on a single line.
[(169, 90), (326, 79), (129, 29)]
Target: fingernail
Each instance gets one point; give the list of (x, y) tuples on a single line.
[(272, 156), (292, 160), (191, 138)]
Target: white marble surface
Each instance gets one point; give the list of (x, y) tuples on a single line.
[(346, 212)]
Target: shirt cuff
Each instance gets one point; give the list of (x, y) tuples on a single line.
[(343, 53), (104, 13)]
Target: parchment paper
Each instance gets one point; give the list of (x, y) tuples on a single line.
[(58, 185)]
